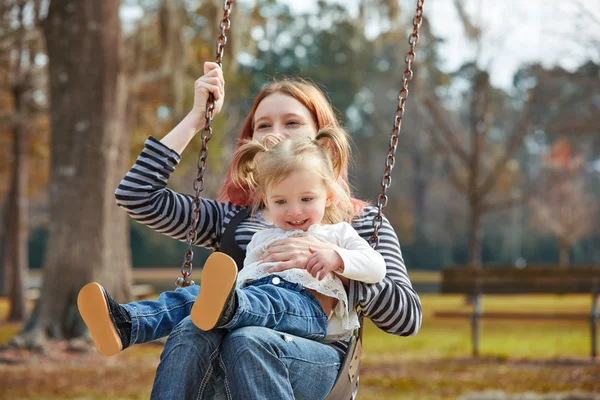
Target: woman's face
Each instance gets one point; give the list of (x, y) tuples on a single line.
[(283, 115)]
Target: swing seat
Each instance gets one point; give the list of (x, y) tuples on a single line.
[(346, 382)]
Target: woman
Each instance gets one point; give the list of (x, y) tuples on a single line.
[(250, 362)]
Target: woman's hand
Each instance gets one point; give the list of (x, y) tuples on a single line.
[(211, 82), (293, 252)]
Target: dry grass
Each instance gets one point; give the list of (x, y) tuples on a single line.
[(517, 357)]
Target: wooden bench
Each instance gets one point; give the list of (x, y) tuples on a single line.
[(531, 280)]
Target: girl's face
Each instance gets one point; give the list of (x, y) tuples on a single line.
[(298, 201), (283, 115)]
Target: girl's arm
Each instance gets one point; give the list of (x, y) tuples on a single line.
[(392, 304), (361, 262)]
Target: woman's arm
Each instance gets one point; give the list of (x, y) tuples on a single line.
[(211, 82), (392, 304), (143, 191), (144, 195)]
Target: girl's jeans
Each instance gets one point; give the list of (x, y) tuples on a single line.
[(240, 362)]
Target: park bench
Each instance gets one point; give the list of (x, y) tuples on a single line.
[(475, 283)]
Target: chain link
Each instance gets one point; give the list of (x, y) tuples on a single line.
[(390, 160), (186, 266)]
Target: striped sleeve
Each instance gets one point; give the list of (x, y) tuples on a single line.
[(143, 193), (392, 304)]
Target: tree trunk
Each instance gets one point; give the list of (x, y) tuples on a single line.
[(89, 235), (6, 245), (20, 224), (475, 234), (563, 254), (419, 190)]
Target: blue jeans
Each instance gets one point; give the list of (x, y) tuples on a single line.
[(246, 363), (283, 306), (272, 302), (154, 319)]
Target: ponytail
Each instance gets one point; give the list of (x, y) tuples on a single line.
[(245, 160), (335, 143)]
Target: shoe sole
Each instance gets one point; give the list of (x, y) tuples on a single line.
[(93, 308), (218, 279)]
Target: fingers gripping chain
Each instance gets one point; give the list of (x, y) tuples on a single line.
[(186, 266)]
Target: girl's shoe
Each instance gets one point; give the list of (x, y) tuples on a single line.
[(217, 302), (109, 323)]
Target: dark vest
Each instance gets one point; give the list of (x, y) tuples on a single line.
[(228, 244)]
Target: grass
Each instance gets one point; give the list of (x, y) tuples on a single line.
[(517, 357)]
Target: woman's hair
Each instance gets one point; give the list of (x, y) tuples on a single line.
[(324, 117), (260, 165)]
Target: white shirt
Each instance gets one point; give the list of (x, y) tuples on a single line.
[(361, 263)]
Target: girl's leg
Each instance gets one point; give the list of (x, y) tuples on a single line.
[(270, 302), (261, 363), (115, 327), (154, 319), (273, 303), (190, 364)]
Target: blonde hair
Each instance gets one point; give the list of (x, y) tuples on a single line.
[(262, 164)]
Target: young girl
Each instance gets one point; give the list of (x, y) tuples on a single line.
[(296, 182)]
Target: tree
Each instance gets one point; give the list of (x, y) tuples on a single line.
[(561, 205), (480, 137), (88, 234), (20, 45)]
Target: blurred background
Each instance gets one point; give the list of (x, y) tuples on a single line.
[(498, 166)]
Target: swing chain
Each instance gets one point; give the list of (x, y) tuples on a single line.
[(186, 266), (402, 96)]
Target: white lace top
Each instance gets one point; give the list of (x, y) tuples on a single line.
[(361, 263)]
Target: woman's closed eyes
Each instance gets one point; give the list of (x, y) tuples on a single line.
[(290, 124)]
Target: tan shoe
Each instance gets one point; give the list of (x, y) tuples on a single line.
[(108, 322), (216, 302)]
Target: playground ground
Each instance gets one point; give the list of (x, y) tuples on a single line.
[(525, 360)]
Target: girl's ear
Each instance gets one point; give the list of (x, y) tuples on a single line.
[(264, 200), (329, 200)]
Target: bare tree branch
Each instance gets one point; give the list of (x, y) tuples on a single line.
[(458, 185), (515, 140), (502, 204), (446, 130)]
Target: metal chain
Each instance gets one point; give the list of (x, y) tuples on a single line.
[(390, 159), (186, 266)]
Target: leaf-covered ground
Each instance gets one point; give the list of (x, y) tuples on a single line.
[(542, 360)]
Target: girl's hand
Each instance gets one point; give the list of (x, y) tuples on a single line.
[(211, 82), (322, 262), (293, 252)]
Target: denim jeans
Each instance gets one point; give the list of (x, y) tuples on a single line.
[(154, 319), (269, 302), (246, 363), (272, 302)]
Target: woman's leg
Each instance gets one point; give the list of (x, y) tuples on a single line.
[(261, 363), (189, 364)]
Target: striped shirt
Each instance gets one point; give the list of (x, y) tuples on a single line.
[(391, 304)]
